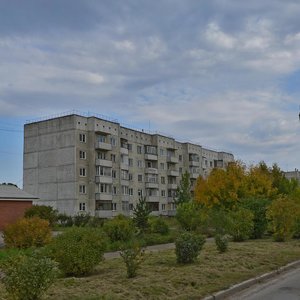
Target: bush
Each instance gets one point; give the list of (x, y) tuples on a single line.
[(81, 219), (132, 258), (240, 224), (219, 220), (25, 233), (259, 208), (159, 225), (65, 220), (188, 246), (119, 229), (77, 250), (282, 214), (43, 212), (28, 277), (221, 242), (190, 216), (96, 222)]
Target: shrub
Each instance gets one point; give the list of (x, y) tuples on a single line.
[(296, 228), (219, 220), (282, 214), (65, 220), (132, 258), (221, 242), (43, 212), (190, 216), (96, 222), (119, 229), (159, 225), (141, 214), (25, 233), (28, 277), (77, 250), (188, 246), (81, 219), (259, 209), (240, 224)]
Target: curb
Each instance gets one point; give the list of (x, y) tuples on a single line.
[(250, 282)]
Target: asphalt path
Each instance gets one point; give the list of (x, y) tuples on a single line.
[(285, 286)]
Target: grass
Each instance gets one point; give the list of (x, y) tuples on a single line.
[(160, 277)]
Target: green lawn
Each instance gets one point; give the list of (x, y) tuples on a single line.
[(160, 277)]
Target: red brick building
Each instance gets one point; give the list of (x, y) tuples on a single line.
[(13, 203)]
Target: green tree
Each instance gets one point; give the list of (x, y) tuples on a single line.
[(141, 214), (183, 192), (43, 212)]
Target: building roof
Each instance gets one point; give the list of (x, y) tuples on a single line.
[(11, 192)]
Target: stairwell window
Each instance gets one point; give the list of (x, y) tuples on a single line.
[(82, 137), (82, 206), (82, 154), (82, 189), (82, 172)]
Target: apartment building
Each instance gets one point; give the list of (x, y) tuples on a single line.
[(79, 163)]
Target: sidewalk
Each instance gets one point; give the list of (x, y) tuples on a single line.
[(1, 240)]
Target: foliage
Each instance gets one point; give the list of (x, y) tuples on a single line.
[(190, 216), (141, 214), (77, 250), (183, 192), (65, 220), (43, 212), (119, 228), (240, 224), (219, 220), (132, 258), (188, 246), (159, 225), (282, 214), (27, 232), (96, 222), (221, 242), (27, 277), (81, 219), (258, 207)]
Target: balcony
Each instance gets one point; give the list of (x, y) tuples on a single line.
[(104, 214), (152, 199), (172, 159), (172, 186), (124, 166), (194, 163), (104, 162), (125, 182), (173, 173), (104, 197), (103, 146), (151, 171), (125, 198), (151, 157), (103, 179), (194, 175), (170, 200), (151, 185), (124, 150), (172, 212)]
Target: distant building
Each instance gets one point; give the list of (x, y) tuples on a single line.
[(85, 163), (13, 203), (292, 174)]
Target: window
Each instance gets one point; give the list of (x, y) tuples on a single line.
[(125, 190), (82, 137), (163, 207), (162, 166), (113, 157), (180, 157), (103, 171), (113, 141), (101, 138), (130, 206), (82, 189), (114, 206), (114, 190), (82, 172), (82, 154), (163, 193), (210, 164), (130, 191), (140, 178), (161, 152), (82, 206), (130, 162), (140, 163), (124, 175), (130, 147), (180, 170), (151, 150), (114, 174), (130, 176), (105, 188), (139, 149), (101, 155), (162, 180), (140, 193)]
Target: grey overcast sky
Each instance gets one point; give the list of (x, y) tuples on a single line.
[(221, 73)]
